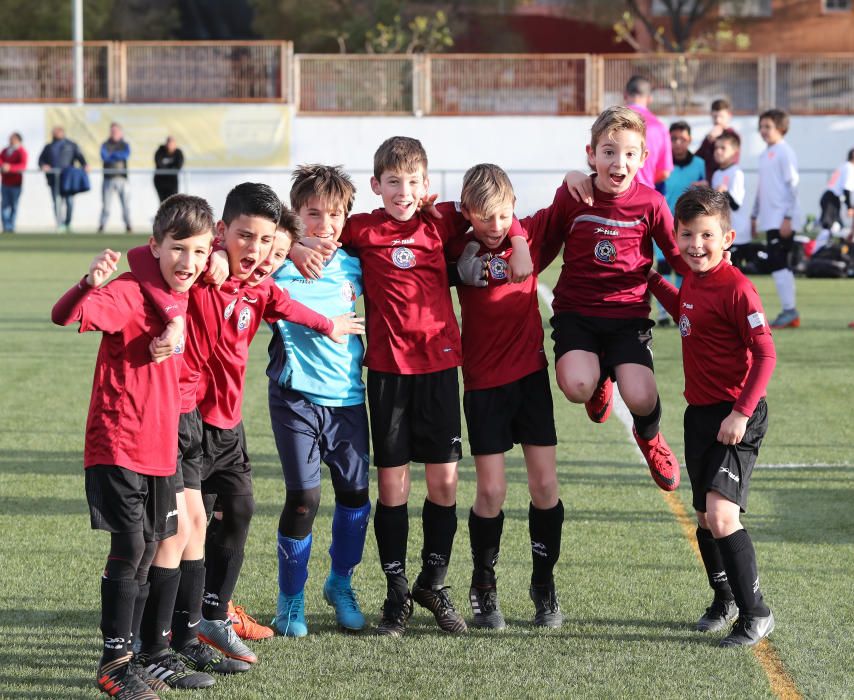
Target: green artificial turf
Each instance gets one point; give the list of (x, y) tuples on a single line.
[(629, 583)]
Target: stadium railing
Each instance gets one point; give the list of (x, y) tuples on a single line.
[(421, 84)]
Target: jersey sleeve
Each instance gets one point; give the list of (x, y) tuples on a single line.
[(543, 249), (737, 190), (662, 233), (281, 307), (106, 309), (748, 316), (666, 293), (146, 269), (789, 165)]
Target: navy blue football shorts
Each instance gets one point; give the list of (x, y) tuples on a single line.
[(308, 435)]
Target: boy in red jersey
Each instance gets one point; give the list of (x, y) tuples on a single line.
[(720, 316), (412, 358), (601, 313), (507, 397), (130, 475), (221, 323)]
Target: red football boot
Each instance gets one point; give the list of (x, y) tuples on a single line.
[(246, 626), (599, 405), (662, 462)]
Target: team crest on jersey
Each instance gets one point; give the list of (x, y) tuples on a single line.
[(403, 258), (498, 268), (684, 326), (348, 291), (243, 319), (229, 310), (605, 251)]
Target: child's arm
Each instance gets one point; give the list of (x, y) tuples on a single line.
[(308, 260), (520, 262), (791, 177), (665, 292), (69, 308), (662, 232), (580, 187), (146, 269), (281, 307)]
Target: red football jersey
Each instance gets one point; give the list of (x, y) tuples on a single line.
[(722, 323), (220, 393), (502, 337), (220, 324), (133, 412), (608, 250), (411, 326)]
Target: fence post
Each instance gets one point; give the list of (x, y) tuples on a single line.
[(767, 89), (427, 97), (594, 84), (286, 58), (417, 83), (295, 78), (123, 68)]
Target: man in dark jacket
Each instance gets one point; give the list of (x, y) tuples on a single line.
[(58, 154), (115, 152), (167, 157)]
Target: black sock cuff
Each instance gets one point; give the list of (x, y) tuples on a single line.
[(191, 565), (736, 542), (159, 573), (704, 535), (647, 427), (392, 510), (435, 509), (478, 519), (549, 516)]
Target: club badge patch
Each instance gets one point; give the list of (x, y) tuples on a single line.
[(229, 310), (498, 268), (348, 292), (403, 258), (605, 251), (684, 326), (243, 319)]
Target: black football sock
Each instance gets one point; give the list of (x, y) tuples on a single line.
[(222, 567), (647, 427), (118, 597), (142, 595), (440, 525), (545, 527), (157, 621), (188, 603), (485, 537), (740, 563), (391, 528), (714, 563)]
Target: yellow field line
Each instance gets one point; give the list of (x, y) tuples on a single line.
[(782, 684)]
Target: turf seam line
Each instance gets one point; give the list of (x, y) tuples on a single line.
[(779, 679)]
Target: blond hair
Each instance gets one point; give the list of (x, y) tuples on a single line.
[(400, 154), (617, 119), (486, 187)]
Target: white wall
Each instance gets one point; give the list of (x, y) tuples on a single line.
[(534, 150)]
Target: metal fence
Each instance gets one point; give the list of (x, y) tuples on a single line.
[(442, 84)]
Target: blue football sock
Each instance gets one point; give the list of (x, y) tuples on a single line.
[(349, 528), (293, 563)]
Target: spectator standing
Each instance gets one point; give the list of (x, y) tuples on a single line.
[(721, 119), (167, 157), (13, 162), (61, 153), (659, 160), (115, 152)]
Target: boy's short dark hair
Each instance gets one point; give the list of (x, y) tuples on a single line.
[(721, 104), (252, 199), (182, 216), (329, 183), (704, 201), (730, 137), (400, 154), (680, 126), (638, 86), (851, 154), (780, 118), (291, 224)]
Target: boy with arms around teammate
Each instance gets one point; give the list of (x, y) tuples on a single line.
[(317, 410), (600, 322), (221, 324), (412, 356), (131, 431), (720, 317), (507, 397)]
